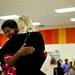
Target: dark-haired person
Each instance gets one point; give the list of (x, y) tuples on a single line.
[(10, 29), (66, 67), (27, 58), (58, 70)]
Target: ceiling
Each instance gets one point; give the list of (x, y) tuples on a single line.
[(40, 10)]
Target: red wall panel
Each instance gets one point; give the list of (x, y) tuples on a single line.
[(70, 35), (3, 39), (50, 36)]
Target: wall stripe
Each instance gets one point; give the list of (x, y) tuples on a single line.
[(52, 36), (70, 33), (62, 36), (3, 39)]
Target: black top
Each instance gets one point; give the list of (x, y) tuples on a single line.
[(58, 71), (29, 64)]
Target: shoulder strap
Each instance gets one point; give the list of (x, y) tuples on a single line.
[(27, 37)]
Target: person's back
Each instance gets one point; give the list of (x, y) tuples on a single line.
[(29, 64), (32, 63), (58, 70)]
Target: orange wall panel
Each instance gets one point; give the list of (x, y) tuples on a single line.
[(62, 36)]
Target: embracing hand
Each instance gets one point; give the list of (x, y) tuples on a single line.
[(25, 50)]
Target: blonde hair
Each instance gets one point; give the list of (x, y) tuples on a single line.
[(25, 24)]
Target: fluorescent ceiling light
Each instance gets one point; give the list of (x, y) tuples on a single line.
[(72, 19), (64, 10), (9, 17), (35, 23)]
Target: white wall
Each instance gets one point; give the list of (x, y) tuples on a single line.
[(66, 50)]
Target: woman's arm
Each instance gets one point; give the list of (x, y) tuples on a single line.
[(21, 52)]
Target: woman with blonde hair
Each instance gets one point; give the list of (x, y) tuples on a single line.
[(25, 24)]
